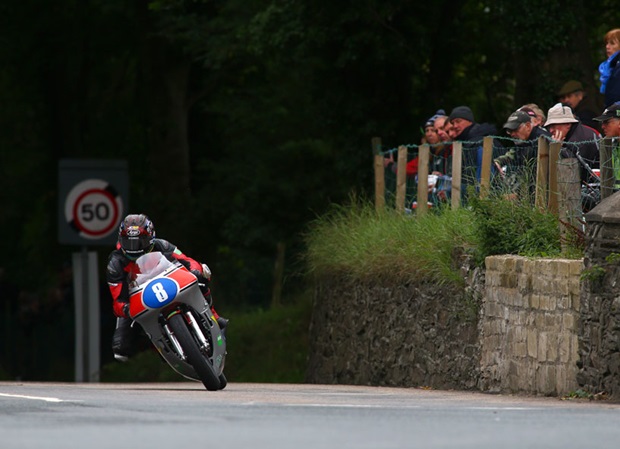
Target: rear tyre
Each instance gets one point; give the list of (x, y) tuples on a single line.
[(195, 357)]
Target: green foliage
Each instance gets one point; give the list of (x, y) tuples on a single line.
[(262, 345), (508, 226), (594, 273), (358, 242), (578, 394), (613, 258), (276, 103)]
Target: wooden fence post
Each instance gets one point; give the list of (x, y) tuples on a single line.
[(487, 160), (457, 163), (542, 173), (607, 175), (401, 178), (423, 157), (569, 185), (379, 174), (554, 157)]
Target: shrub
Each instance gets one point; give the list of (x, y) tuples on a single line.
[(508, 226)]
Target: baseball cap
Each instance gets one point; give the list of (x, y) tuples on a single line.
[(516, 119), (612, 111)]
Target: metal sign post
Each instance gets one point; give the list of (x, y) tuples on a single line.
[(87, 329), (91, 199)]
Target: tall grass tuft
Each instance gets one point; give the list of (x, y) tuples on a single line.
[(355, 241), (513, 226)]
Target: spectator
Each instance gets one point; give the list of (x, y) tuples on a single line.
[(584, 109), (442, 153), (518, 164), (430, 130), (610, 69), (537, 114), (525, 152), (577, 139), (440, 182), (610, 120), (466, 130), (439, 189), (430, 136)]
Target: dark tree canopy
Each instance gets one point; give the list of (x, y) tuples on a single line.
[(242, 120)]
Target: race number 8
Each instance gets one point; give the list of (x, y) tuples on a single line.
[(160, 292)]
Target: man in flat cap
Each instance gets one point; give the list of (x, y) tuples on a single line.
[(572, 94)]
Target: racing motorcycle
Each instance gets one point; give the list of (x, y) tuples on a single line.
[(166, 301)]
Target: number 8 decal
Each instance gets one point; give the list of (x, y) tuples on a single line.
[(160, 292)]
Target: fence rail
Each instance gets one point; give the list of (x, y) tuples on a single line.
[(557, 186)]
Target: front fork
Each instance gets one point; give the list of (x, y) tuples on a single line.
[(189, 318)]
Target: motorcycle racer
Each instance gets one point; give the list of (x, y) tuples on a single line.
[(136, 236)]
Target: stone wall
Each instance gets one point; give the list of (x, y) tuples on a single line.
[(529, 325), (544, 326), (599, 331), (409, 335)]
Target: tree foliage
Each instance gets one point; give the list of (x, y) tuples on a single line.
[(242, 120)]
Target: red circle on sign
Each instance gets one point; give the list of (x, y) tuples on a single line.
[(84, 229)]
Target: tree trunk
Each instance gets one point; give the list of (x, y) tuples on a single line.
[(165, 74)]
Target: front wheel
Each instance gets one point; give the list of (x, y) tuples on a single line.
[(195, 357), (223, 381)]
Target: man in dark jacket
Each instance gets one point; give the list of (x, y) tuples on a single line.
[(578, 141), (584, 107), (471, 134), (518, 164), (525, 150)]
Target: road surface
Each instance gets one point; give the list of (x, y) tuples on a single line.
[(268, 416)]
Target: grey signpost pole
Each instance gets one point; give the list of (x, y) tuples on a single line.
[(92, 196), (87, 327)]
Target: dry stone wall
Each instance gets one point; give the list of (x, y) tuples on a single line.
[(599, 331), (544, 326), (409, 335), (512, 328)]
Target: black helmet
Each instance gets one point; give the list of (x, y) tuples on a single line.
[(135, 235)]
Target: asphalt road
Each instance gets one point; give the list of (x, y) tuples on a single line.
[(268, 416)]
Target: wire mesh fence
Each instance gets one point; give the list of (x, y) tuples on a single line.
[(550, 174)]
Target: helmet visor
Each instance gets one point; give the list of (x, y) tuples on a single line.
[(135, 246)]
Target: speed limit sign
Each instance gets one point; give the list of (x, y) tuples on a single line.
[(92, 195), (93, 208)]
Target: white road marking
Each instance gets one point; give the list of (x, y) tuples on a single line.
[(36, 398)]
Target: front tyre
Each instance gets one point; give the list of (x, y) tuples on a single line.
[(223, 381), (195, 357)]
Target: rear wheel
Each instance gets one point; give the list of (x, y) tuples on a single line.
[(195, 357)]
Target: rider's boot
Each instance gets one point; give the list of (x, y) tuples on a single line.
[(221, 321), (123, 340)]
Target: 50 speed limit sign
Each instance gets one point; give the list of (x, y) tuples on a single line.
[(93, 208), (92, 196)]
